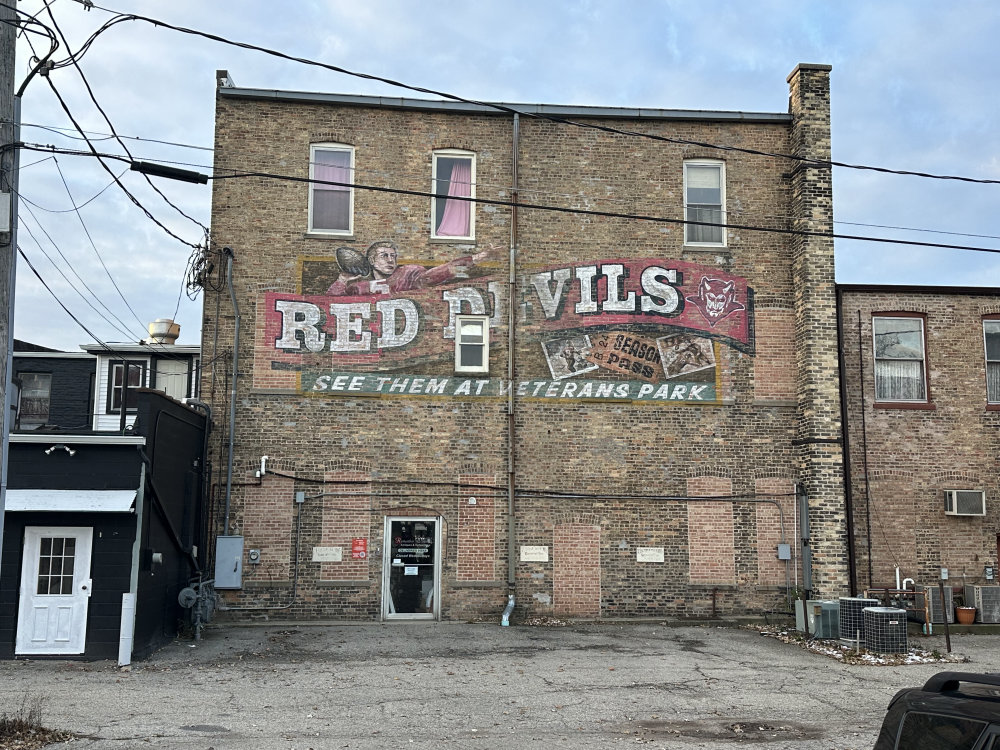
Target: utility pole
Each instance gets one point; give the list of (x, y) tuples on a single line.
[(10, 121)]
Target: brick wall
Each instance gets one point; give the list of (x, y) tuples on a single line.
[(267, 526), (904, 456), (576, 570), (477, 537), (776, 523), (711, 543), (596, 478)]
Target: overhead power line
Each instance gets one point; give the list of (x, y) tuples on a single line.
[(611, 214), (122, 17), (58, 301), (90, 135), (118, 324), (93, 98), (558, 209), (93, 245)]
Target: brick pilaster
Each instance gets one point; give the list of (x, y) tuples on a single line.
[(819, 447)]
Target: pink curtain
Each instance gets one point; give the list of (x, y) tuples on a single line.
[(331, 206), (334, 166), (455, 220)]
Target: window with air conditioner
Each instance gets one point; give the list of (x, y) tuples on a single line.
[(964, 503)]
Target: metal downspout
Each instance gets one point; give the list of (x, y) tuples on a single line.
[(852, 570), (228, 252), (511, 321)]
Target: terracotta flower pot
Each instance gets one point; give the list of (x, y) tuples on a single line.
[(965, 615)]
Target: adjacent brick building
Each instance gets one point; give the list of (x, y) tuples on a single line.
[(479, 352), (921, 371)]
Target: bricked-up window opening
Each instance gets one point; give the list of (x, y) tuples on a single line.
[(454, 176), (116, 384), (331, 207), (991, 336), (899, 359), (36, 389), (704, 200), (472, 343)]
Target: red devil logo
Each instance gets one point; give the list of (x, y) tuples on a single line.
[(716, 299)]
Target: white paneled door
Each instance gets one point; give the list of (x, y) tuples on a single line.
[(55, 590)]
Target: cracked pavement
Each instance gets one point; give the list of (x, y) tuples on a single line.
[(430, 685)]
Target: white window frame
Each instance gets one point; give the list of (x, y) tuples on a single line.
[(722, 206), (313, 148), (993, 398), (923, 359), (451, 153), (484, 345)]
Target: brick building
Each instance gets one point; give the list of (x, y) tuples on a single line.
[(922, 405), (445, 392)]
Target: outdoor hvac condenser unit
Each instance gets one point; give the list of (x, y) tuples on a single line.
[(986, 600), (885, 630), (852, 621), (818, 617), (932, 597), (964, 503)]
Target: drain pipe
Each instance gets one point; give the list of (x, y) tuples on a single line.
[(228, 252), (511, 323), (505, 620)]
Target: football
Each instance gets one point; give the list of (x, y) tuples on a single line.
[(353, 262)]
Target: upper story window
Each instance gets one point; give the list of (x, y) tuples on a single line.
[(453, 178), (705, 200), (900, 372), (36, 392), (331, 207), (472, 343), (119, 383), (991, 338)]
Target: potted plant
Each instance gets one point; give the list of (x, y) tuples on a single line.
[(965, 615)]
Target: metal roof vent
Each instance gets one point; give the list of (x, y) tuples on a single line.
[(163, 331)]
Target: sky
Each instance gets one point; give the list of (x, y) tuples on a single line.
[(913, 87)]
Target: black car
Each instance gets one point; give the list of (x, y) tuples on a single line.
[(952, 711)]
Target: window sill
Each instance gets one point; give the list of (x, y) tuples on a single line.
[(992, 407), (327, 236), (706, 248), (905, 405), (453, 241)]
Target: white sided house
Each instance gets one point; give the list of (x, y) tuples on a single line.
[(157, 362)]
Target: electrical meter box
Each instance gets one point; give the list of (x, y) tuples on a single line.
[(229, 562)]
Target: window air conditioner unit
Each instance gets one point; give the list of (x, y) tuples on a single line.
[(964, 503)]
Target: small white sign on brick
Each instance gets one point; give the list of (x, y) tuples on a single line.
[(534, 554), (649, 554), (328, 554)]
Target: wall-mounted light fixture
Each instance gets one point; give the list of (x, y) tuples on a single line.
[(57, 446)]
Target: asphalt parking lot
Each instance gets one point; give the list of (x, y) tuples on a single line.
[(430, 685)]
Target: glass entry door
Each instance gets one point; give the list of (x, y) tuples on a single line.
[(410, 580)]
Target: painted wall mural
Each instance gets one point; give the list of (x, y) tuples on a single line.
[(641, 329)]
